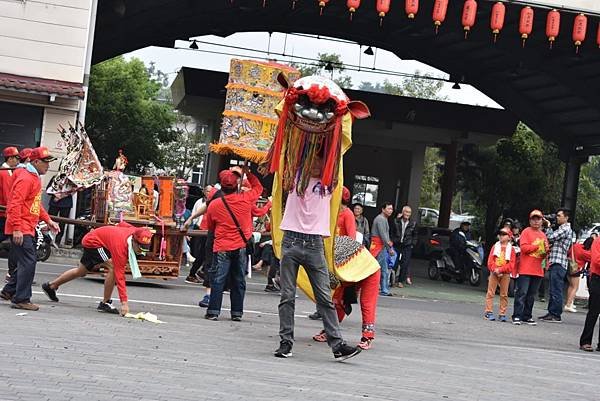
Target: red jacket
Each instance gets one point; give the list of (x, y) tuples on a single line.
[(582, 255), (113, 238), (24, 209), (346, 223), (503, 266), (5, 184), (530, 262), (595, 262), (261, 211), (218, 219)]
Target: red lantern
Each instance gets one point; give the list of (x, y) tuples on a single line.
[(411, 7), (598, 35), (440, 8), (497, 19), (468, 15), (526, 23), (552, 26), (352, 6), (322, 4), (579, 31), (383, 7)]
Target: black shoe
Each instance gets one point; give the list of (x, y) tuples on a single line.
[(210, 316), (236, 318), (284, 350), (6, 296), (551, 318), (204, 302), (344, 351), (315, 316), (530, 322), (49, 292), (107, 307), (271, 288)]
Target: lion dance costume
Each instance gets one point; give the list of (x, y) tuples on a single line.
[(315, 120)]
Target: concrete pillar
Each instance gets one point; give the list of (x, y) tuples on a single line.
[(571, 184), (416, 176), (448, 185)]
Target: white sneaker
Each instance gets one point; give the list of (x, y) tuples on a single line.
[(190, 258), (570, 308)]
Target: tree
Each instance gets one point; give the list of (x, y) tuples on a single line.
[(588, 194), (430, 184), (327, 60), (124, 112), (421, 88), (187, 150)]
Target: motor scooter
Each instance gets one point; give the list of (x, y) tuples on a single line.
[(443, 263)]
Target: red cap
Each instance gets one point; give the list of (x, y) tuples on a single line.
[(10, 151), (25, 153), (143, 236), (228, 179), (345, 194), (41, 153), (537, 213)]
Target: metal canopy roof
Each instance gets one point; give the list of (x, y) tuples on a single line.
[(555, 92)]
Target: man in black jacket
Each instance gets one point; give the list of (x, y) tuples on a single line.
[(404, 236)]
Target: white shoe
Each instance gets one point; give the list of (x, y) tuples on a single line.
[(570, 308), (190, 258)]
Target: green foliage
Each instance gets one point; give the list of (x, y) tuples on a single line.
[(421, 88), (124, 112), (187, 150), (432, 173), (318, 68), (588, 197)]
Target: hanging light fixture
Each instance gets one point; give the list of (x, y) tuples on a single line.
[(383, 7), (194, 45), (352, 7), (526, 23), (412, 8), (579, 31), (369, 51), (552, 26), (440, 8), (468, 15), (497, 19), (456, 86)]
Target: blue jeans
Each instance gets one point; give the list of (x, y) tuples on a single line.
[(384, 283), (228, 267), (22, 278), (557, 275), (525, 289)]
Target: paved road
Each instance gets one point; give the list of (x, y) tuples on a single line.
[(430, 348)]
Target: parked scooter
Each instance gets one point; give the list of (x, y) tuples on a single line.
[(43, 242), (442, 265)]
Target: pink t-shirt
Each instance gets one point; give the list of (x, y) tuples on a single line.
[(308, 214)]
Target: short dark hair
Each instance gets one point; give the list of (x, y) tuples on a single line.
[(227, 190), (566, 212), (386, 204), (358, 204), (587, 244)]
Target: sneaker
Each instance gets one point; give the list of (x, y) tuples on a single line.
[(236, 318), (530, 322), (6, 296), (107, 307), (49, 292), (502, 318), (542, 299), (570, 308), (210, 316), (344, 351), (276, 283), (489, 316), (271, 288), (365, 343), (408, 281), (192, 280), (7, 278), (25, 306), (386, 294), (320, 337), (284, 350), (551, 319), (516, 321), (204, 301), (586, 348), (315, 316)]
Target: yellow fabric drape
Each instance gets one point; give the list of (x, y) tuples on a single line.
[(336, 198)]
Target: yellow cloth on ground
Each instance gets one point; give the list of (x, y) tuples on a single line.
[(336, 198)]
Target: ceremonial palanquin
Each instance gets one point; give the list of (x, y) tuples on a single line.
[(249, 119)]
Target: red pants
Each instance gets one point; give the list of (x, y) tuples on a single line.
[(368, 292)]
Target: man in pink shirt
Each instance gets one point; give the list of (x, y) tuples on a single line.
[(305, 223)]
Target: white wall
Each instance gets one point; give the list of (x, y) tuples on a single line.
[(44, 38)]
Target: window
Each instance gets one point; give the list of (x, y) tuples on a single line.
[(365, 190)]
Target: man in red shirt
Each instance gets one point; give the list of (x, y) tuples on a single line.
[(230, 217), (585, 342), (111, 246), (11, 159), (24, 211)]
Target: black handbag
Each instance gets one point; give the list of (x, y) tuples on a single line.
[(248, 241)]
